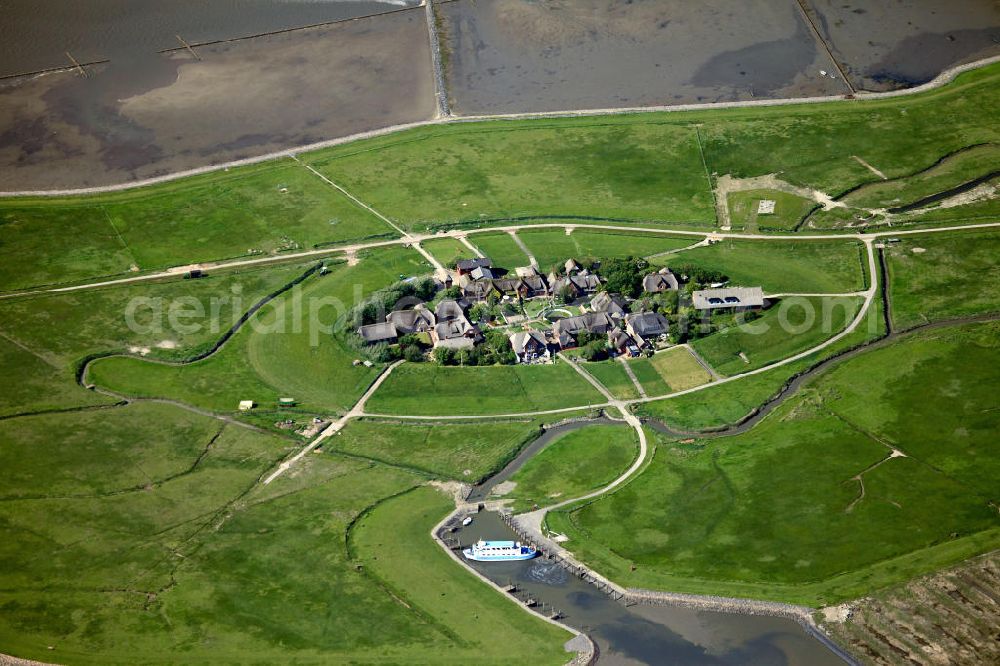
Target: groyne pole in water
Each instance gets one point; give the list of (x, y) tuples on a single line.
[(77, 65), (188, 47), (440, 91), (826, 47)]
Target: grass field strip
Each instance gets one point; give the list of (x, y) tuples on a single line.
[(524, 248), (353, 198), (631, 375), (703, 363), (415, 239), (334, 427)]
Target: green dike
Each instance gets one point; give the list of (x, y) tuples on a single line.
[(545, 167), (224, 214), (279, 353), (797, 267), (791, 326), (394, 544), (732, 515), (456, 450), (424, 389), (649, 166), (45, 336), (724, 404), (938, 276), (575, 463)]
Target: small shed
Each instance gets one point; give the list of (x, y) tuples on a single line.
[(247, 405)]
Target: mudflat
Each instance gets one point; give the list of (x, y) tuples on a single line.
[(889, 45), (511, 55), (149, 116), (518, 56)]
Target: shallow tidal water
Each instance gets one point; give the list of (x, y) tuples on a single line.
[(649, 634)]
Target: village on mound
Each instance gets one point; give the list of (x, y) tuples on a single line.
[(571, 307)]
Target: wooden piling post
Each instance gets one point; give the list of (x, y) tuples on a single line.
[(188, 47), (76, 64)]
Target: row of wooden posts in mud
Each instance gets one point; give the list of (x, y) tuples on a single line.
[(80, 67)]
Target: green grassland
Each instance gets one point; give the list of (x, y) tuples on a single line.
[(953, 170), (552, 247), (575, 463), (823, 541), (215, 216), (650, 378), (812, 145), (464, 621), (281, 352), (141, 535), (986, 209), (448, 251), (455, 450), (43, 337), (790, 326), (426, 389), (789, 209), (803, 267), (724, 404), (90, 454), (679, 369), (613, 376), (501, 170), (938, 276), (502, 249)]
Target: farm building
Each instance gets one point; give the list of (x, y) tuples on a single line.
[(466, 266), (664, 280), (529, 345), (613, 304)]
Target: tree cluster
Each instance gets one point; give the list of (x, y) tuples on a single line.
[(374, 308), (495, 350), (624, 276)]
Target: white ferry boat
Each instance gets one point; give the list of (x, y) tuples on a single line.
[(499, 551)]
